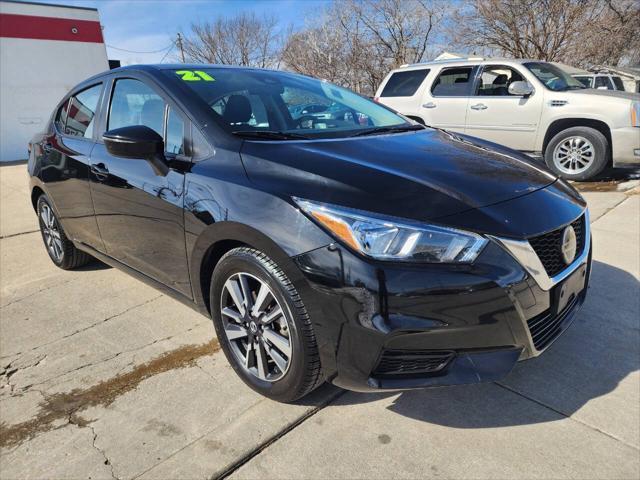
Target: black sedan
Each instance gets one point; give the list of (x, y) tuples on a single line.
[(364, 250)]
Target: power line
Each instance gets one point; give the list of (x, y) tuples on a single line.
[(165, 55), (133, 51)]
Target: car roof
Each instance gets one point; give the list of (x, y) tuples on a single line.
[(463, 62)]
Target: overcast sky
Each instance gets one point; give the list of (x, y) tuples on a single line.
[(151, 25)]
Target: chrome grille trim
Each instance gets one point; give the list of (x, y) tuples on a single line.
[(526, 256)]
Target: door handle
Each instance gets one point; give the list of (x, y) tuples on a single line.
[(99, 170), (479, 106), (429, 105)]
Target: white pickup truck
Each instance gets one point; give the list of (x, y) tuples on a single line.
[(527, 105)]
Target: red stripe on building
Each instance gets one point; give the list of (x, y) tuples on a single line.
[(49, 28)]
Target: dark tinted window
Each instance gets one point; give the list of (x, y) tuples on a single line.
[(453, 82), (404, 84), (82, 111), (586, 81), (603, 82), (617, 81), (61, 116), (175, 134), (134, 103)]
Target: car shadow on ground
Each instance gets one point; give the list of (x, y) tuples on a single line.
[(589, 360)]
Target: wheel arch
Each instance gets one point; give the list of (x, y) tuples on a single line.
[(561, 124), (36, 192), (218, 239)]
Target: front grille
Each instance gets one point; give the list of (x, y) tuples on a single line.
[(404, 362), (545, 327), (548, 247)]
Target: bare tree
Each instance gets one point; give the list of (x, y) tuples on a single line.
[(356, 42), (244, 39), (581, 32)]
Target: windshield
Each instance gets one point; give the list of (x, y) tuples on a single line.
[(552, 77), (265, 104)]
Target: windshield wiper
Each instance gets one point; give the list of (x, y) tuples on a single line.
[(391, 129), (269, 134)]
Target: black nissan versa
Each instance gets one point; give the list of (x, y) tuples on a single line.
[(352, 246)]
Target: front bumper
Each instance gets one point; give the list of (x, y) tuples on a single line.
[(625, 146), (397, 326)]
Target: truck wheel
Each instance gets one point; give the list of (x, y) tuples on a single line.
[(577, 153), (61, 250), (263, 326)]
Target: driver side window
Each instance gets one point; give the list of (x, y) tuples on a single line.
[(495, 81), (134, 103)]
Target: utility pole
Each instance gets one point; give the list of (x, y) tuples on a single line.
[(179, 43)]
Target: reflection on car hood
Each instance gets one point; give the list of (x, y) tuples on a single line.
[(419, 175)]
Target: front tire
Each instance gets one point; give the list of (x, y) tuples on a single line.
[(577, 153), (61, 250), (263, 326)]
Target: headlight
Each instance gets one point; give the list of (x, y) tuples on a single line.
[(387, 238), (635, 114)]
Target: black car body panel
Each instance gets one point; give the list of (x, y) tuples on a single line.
[(420, 175), (449, 323)]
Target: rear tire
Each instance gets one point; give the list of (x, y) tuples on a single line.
[(61, 250), (577, 153), (255, 345)]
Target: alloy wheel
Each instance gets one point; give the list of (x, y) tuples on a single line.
[(256, 327), (573, 155), (51, 232)]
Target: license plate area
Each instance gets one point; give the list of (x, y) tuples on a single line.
[(569, 289)]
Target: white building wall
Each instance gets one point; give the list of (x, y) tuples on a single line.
[(36, 74)]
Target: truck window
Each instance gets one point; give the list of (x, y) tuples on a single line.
[(617, 81), (603, 82), (453, 82), (495, 81), (586, 81), (404, 84)]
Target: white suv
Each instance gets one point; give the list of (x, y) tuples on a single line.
[(527, 105)]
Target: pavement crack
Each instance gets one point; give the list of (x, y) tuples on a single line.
[(67, 405), (11, 235), (559, 412), (64, 337), (270, 441), (44, 289)]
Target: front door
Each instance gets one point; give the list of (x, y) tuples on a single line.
[(494, 114), (139, 211)]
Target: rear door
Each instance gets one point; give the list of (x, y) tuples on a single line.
[(444, 105), (65, 164), (496, 115), (140, 212)]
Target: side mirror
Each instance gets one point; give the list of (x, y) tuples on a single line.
[(521, 89), (137, 142)]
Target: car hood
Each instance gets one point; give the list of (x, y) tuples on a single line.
[(606, 93), (420, 175)]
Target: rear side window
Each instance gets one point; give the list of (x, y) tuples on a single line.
[(603, 82), (617, 81), (134, 103), (453, 82), (586, 81), (82, 111), (61, 116), (404, 84)]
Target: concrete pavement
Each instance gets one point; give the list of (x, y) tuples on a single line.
[(104, 377)]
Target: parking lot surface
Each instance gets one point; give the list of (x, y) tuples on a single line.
[(103, 377)]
